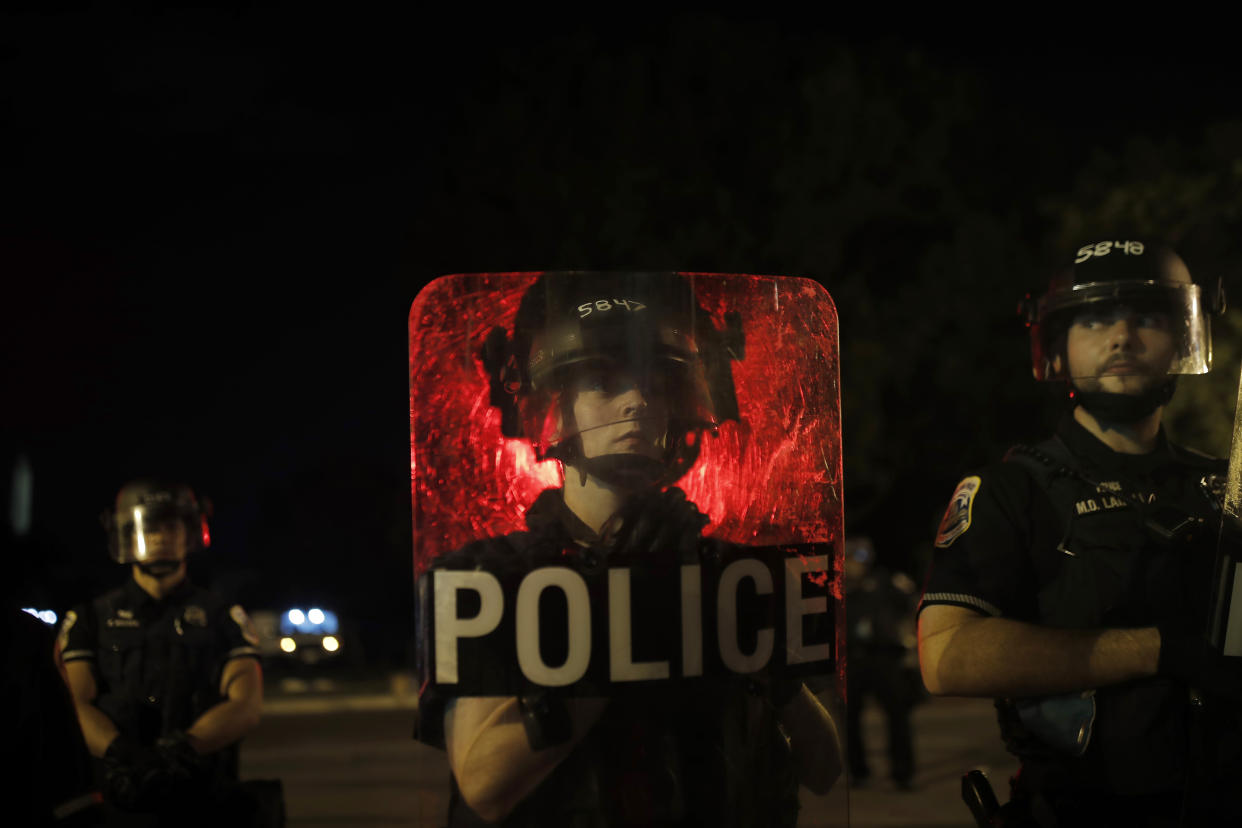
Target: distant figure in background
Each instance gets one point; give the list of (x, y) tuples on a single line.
[(165, 676), (883, 659)]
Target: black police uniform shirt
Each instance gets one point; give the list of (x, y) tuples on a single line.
[(1028, 540), (713, 754), (157, 663)]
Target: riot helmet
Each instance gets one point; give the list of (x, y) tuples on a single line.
[(637, 338), (1142, 286), (155, 524)]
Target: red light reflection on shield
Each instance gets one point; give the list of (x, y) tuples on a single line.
[(773, 478)]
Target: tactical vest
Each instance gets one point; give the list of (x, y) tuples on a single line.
[(1110, 537), (158, 673), (1121, 561)]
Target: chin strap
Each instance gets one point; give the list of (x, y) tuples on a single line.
[(1123, 408), (159, 569), (632, 471)]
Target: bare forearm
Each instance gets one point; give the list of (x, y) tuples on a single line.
[(97, 728), (241, 684), (814, 741), (491, 757), (224, 724), (1002, 657)]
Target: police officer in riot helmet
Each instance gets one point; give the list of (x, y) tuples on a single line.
[(165, 675), (1071, 581), (618, 377)]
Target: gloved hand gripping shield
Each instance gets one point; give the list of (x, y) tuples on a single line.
[(626, 486)]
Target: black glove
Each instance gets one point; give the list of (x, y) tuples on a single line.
[(183, 763), (658, 531), (660, 527), (131, 773), (141, 778), (1189, 658), (545, 719)]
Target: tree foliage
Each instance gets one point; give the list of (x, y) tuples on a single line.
[(719, 148), (888, 174)]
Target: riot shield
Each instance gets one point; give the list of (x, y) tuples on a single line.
[(627, 524)]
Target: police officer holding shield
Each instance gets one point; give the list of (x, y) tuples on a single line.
[(1071, 581), (165, 675), (618, 379)]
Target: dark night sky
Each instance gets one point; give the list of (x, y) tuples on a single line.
[(214, 223)]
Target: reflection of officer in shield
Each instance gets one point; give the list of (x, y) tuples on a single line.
[(618, 377)]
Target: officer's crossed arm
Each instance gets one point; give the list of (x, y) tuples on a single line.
[(490, 754), (966, 653), (241, 684), (981, 577), (97, 728)]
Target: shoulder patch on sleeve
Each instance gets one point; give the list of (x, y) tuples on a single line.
[(242, 620), (62, 639), (956, 518)]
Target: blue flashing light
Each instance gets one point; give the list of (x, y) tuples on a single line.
[(46, 616), (312, 622)]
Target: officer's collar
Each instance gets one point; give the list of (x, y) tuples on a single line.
[(1097, 453), (549, 515), (140, 597)]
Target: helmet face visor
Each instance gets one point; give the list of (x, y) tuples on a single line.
[(141, 534), (615, 376), (618, 406), (1120, 329)]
